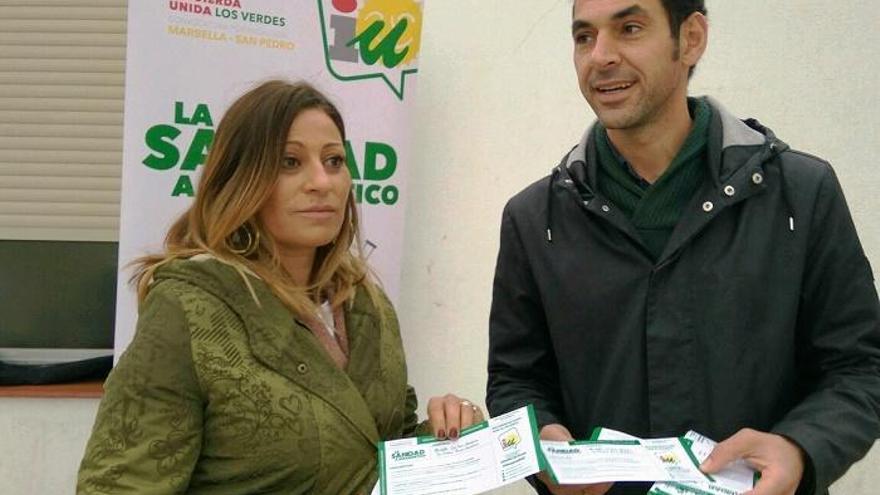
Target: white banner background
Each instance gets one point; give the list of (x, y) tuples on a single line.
[(183, 54)]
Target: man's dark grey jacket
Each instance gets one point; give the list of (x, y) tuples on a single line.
[(761, 312)]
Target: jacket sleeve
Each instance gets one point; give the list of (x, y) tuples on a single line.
[(411, 425), (839, 346), (148, 430), (522, 366)]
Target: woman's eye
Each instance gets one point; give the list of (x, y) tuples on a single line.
[(289, 162), (336, 161)]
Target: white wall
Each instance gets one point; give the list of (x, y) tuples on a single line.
[(498, 105), (41, 444)]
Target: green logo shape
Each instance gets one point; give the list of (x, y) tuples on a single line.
[(385, 51)]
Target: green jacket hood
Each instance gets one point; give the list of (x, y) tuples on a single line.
[(230, 284)]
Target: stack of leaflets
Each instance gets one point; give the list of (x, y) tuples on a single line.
[(507, 448), (682, 456), (486, 456), (734, 479)]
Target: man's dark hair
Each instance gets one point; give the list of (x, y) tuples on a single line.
[(679, 10)]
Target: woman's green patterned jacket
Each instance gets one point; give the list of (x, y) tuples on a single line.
[(220, 395)]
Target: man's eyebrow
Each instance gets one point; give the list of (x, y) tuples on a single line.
[(633, 10), (579, 24)]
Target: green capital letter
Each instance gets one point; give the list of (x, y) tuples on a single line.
[(202, 115), (160, 139), (198, 150), (184, 186), (351, 162), (374, 150)]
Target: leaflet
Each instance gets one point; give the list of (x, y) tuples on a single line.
[(736, 478), (599, 461), (486, 456), (674, 454), (672, 488)]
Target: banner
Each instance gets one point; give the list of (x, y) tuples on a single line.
[(187, 60)]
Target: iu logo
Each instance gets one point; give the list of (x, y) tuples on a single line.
[(372, 39)]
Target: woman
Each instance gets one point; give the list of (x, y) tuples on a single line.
[(265, 360)]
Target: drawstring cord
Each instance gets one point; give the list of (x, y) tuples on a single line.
[(783, 186), (549, 225)]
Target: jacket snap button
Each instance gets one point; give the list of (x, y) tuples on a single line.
[(586, 203), (569, 181), (708, 206), (729, 190), (606, 208), (757, 178), (303, 368)]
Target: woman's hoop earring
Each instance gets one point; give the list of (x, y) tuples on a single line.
[(242, 242)]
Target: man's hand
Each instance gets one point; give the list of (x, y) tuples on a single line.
[(559, 433), (780, 461)]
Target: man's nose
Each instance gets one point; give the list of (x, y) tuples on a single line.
[(606, 51)]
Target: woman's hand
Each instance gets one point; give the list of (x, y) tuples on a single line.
[(450, 414)]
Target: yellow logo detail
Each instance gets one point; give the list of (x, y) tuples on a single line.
[(510, 438), (391, 13)]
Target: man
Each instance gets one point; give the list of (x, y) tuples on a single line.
[(682, 269)]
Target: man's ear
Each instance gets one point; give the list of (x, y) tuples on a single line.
[(693, 38)]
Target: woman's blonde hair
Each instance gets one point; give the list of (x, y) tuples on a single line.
[(240, 173)]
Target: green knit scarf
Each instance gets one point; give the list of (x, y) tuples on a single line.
[(655, 209)]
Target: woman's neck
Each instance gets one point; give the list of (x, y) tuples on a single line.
[(298, 264)]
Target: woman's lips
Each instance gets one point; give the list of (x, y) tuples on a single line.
[(317, 213)]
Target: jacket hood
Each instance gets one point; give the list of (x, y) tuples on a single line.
[(730, 140), (733, 145), (235, 286)]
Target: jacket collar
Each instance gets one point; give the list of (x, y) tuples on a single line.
[(285, 345), (728, 135), (737, 151)]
